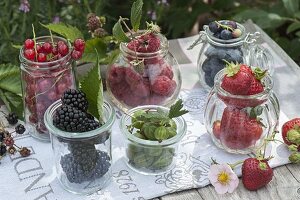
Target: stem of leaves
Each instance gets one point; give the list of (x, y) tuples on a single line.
[(34, 39)]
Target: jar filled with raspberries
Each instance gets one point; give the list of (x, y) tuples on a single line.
[(229, 41), (81, 143), (145, 73), (242, 109), (47, 70)]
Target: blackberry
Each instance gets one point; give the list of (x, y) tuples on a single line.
[(2, 136), (20, 129), (12, 118), (76, 99), (2, 149)]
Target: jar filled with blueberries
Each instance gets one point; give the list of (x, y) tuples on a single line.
[(224, 42)]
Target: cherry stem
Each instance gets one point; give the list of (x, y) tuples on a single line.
[(51, 36), (34, 39), (224, 26), (235, 164), (17, 146)]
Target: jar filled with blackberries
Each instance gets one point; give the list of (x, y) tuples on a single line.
[(82, 147), (145, 73), (46, 72), (228, 41)]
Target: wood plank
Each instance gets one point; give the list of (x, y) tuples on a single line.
[(184, 195)]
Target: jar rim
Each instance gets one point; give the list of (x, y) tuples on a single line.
[(48, 118), (164, 46), (267, 80), (181, 130), (54, 64)]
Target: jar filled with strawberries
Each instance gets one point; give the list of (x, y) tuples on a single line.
[(242, 109), (47, 70)]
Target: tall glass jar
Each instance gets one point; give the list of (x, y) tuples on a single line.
[(155, 81), (214, 52), (42, 84), (83, 160), (239, 123), (148, 156)]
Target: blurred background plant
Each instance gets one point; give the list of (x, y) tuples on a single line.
[(178, 18)]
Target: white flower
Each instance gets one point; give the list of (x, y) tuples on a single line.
[(222, 177)]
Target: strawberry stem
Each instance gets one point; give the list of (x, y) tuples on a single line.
[(235, 164)]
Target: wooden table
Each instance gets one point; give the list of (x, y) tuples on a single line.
[(286, 180)]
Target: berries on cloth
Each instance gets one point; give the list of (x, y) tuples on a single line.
[(20, 129), (12, 118), (256, 173), (2, 149), (25, 152), (9, 141), (75, 98), (147, 43), (291, 132)]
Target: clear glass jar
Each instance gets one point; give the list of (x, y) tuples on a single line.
[(243, 49), (130, 86), (82, 160), (151, 157), (238, 131), (42, 84)]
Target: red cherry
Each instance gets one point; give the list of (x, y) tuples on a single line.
[(63, 49), (42, 57), (76, 54), (39, 49), (29, 44), (54, 50), (29, 54), (79, 44), (47, 47), (59, 43)]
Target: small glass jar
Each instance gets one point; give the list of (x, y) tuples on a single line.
[(157, 81), (151, 157), (42, 84), (215, 51), (82, 160), (230, 121)]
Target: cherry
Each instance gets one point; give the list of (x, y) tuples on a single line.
[(29, 44), (29, 54), (79, 44), (39, 49), (42, 57), (59, 43), (54, 50), (47, 47), (63, 49), (76, 54)]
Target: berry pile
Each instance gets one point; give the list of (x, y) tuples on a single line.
[(51, 51), (225, 29), (150, 82)]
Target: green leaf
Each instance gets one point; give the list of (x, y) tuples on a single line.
[(298, 33), (5, 101), (119, 33), (90, 55), (297, 14), (136, 14), (292, 6), (17, 46), (92, 86), (11, 83), (67, 31), (292, 27), (176, 109), (7, 70), (15, 102), (111, 57)]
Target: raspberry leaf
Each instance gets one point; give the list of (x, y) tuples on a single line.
[(176, 109), (136, 14), (119, 33), (67, 31), (90, 55)]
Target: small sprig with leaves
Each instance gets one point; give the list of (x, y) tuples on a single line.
[(156, 124)]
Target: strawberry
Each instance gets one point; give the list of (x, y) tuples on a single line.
[(238, 130), (256, 173), (289, 128), (237, 81), (256, 85), (217, 129)]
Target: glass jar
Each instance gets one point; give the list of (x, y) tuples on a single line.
[(156, 81), (151, 157), (42, 84), (230, 121), (82, 160), (215, 51)]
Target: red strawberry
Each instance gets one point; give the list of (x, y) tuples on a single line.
[(217, 129), (256, 87), (237, 81), (287, 126), (238, 130), (256, 174)]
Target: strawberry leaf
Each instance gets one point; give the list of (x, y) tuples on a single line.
[(176, 109), (119, 33), (92, 86), (136, 14), (231, 68), (259, 74), (67, 31)]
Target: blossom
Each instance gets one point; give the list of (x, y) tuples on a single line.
[(56, 19), (24, 6), (222, 177)]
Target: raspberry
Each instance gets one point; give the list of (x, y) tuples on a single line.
[(116, 74), (119, 90), (145, 43), (29, 44), (76, 99), (93, 22), (100, 32), (20, 129), (142, 89), (132, 77), (154, 100), (167, 71), (163, 86), (12, 118), (132, 100)]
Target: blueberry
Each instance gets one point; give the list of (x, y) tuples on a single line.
[(217, 35), (232, 24), (226, 35), (208, 80), (234, 55), (206, 66), (213, 27), (218, 52)]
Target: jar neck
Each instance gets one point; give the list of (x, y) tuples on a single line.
[(33, 65), (129, 54)]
